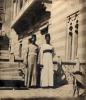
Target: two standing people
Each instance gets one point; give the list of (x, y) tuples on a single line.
[(46, 63)]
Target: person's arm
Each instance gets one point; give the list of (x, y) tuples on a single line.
[(53, 52), (41, 57), (27, 57), (37, 51)]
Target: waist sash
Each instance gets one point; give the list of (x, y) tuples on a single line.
[(47, 51)]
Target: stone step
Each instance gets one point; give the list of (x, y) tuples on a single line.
[(4, 58), (4, 53), (11, 65), (11, 77), (9, 72), (11, 69), (12, 72), (16, 75)]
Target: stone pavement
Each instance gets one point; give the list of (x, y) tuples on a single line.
[(65, 91)]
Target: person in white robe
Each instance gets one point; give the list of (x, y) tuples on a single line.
[(31, 75), (46, 62)]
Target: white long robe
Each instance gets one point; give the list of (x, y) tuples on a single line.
[(46, 59), (31, 75)]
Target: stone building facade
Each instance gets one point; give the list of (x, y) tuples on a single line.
[(63, 19)]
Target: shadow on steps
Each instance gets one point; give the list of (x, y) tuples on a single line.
[(11, 83)]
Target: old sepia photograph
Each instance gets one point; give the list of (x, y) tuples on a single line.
[(42, 49)]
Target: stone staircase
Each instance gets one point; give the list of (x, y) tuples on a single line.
[(11, 72), (4, 55)]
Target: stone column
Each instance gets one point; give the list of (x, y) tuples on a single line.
[(73, 41), (18, 6)]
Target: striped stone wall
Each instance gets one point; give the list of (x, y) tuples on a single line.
[(58, 29)]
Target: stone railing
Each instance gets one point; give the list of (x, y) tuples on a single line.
[(70, 66)]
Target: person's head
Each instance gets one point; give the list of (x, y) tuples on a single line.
[(47, 38), (33, 39)]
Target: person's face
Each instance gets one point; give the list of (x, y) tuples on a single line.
[(47, 39)]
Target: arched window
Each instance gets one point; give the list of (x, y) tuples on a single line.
[(72, 35)]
